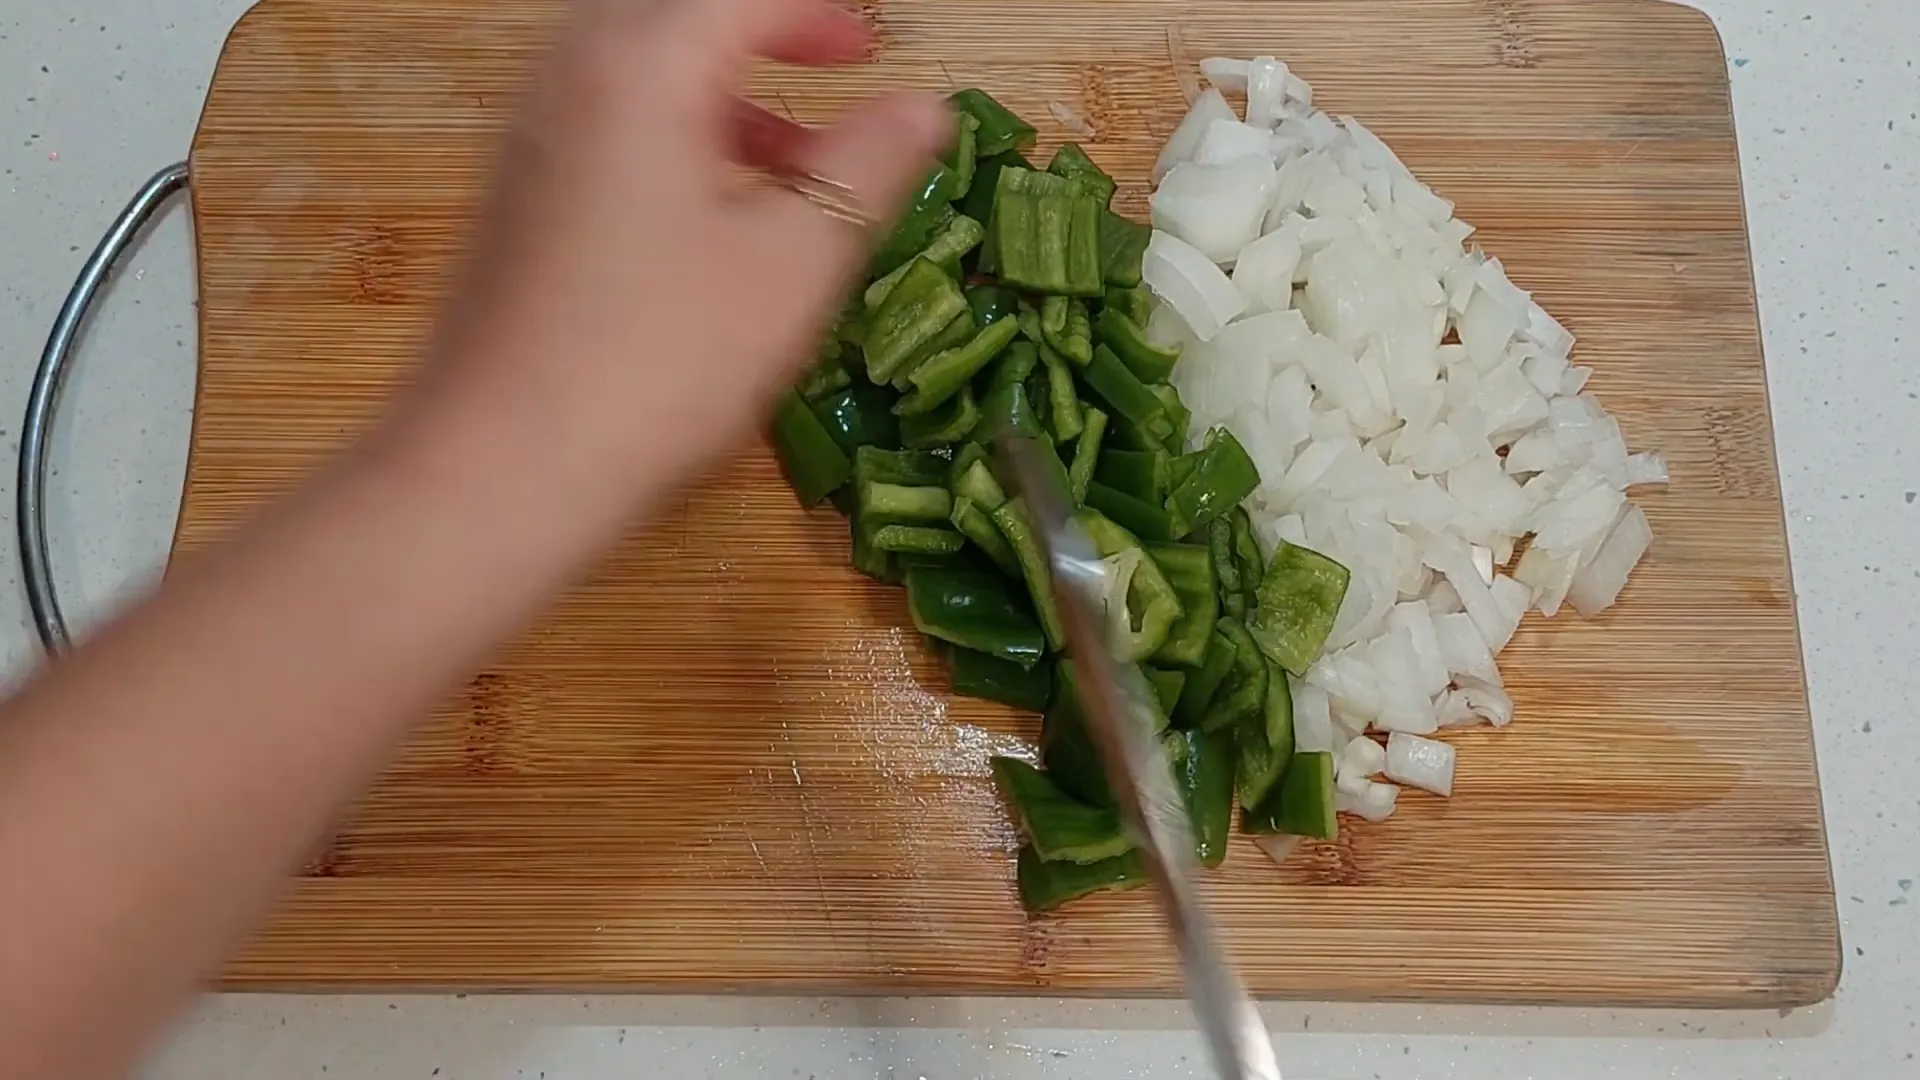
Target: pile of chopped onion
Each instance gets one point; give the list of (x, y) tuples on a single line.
[(1414, 414)]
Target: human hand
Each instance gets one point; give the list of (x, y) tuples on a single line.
[(631, 305)]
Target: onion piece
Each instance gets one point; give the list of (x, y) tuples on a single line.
[(1207, 108), (1263, 272), (1229, 140), (1599, 582), (1226, 74), (1192, 284), (1067, 117), (1216, 208), (1362, 758), (1277, 845), (1371, 801), (1423, 763)]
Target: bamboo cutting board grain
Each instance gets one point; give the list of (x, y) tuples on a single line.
[(722, 765)]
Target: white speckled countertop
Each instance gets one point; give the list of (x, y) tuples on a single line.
[(95, 94)]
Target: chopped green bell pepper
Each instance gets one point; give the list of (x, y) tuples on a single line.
[(957, 236), (943, 375), (1123, 249), (1265, 745), (946, 424), (1073, 163), (1183, 466), (895, 504), (1300, 595), (978, 205), (1000, 130), (1222, 478), (927, 209), (1244, 693), (1189, 570), (1246, 556), (1063, 403), (1066, 747), (1233, 594), (977, 525), (965, 156), (974, 609), (882, 566), (1143, 519), (912, 319), (1014, 524), (1152, 605), (1178, 415), (1206, 775), (975, 674), (907, 468), (1204, 684), (813, 462), (917, 540), (827, 374), (1143, 474), (1059, 827), (1046, 234), (1020, 361), (1135, 303), (1047, 885), (991, 303), (1086, 452), (860, 415), (1166, 688), (977, 484), (1064, 324), (1304, 804), (957, 333), (1128, 397), (1128, 340)]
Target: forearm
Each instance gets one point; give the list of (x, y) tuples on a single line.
[(156, 788)]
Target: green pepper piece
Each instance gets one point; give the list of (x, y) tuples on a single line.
[(1221, 479), (917, 540), (1063, 403), (812, 461), (1021, 360), (1143, 474), (1244, 693), (1135, 303), (974, 609), (1233, 595), (944, 374), (1059, 827), (1073, 163), (1265, 747), (860, 415), (957, 333), (1152, 604), (947, 424), (1086, 452), (1166, 687), (879, 504), (907, 468), (1143, 519), (978, 485), (828, 373), (957, 236), (1127, 396), (1182, 468), (1008, 411), (978, 203), (1015, 524), (991, 303), (1206, 773), (963, 159), (977, 525), (1300, 595), (912, 319), (1148, 362), (977, 675), (1178, 415), (1000, 130), (1065, 325), (1203, 685), (1047, 885), (882, 566), (1189, 570), (1066, 747), (1304, 804), (926, 210), (1246, 556), (1046, 234), (1123, 249)]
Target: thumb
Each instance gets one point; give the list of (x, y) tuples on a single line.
[(879, 152)]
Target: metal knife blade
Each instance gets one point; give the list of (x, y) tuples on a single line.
[(1114, 700)]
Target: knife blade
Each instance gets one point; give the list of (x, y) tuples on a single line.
[(1115, 701)]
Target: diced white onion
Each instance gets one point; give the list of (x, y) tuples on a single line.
[(1192, 283), (1207, 108), (1423, 763)]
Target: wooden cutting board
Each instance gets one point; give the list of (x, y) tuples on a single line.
[(724, 765)]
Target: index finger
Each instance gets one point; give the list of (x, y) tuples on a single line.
[(723, 36)]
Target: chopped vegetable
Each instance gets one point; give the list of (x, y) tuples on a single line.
[(1266, 746), (826, 374), (1189, 570), (1059, 827), (1204, 684), (1304, 804), (1014, 524), (1073, 163), (1143, 519), (1047, 885), (1146, 475), (1423, 763), (1222, 476), (1064, 413), (927, 209), (1128, 340), (1086, 452), (911, 319), (956, 236), (1000, 131), (942, 376), (860, 415), (1065, 326), (814, 463), (1300, 596), (991, 303), (1123, 250), (1166, 688), (1244, 692), (964, 158), (1206, 775), (974, 610), (947, 424), (917, 540), (906, 468), (1127, 397), (976, 524), (1046, 234), (976, 674)]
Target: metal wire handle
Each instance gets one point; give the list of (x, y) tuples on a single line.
[(36, 565)]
